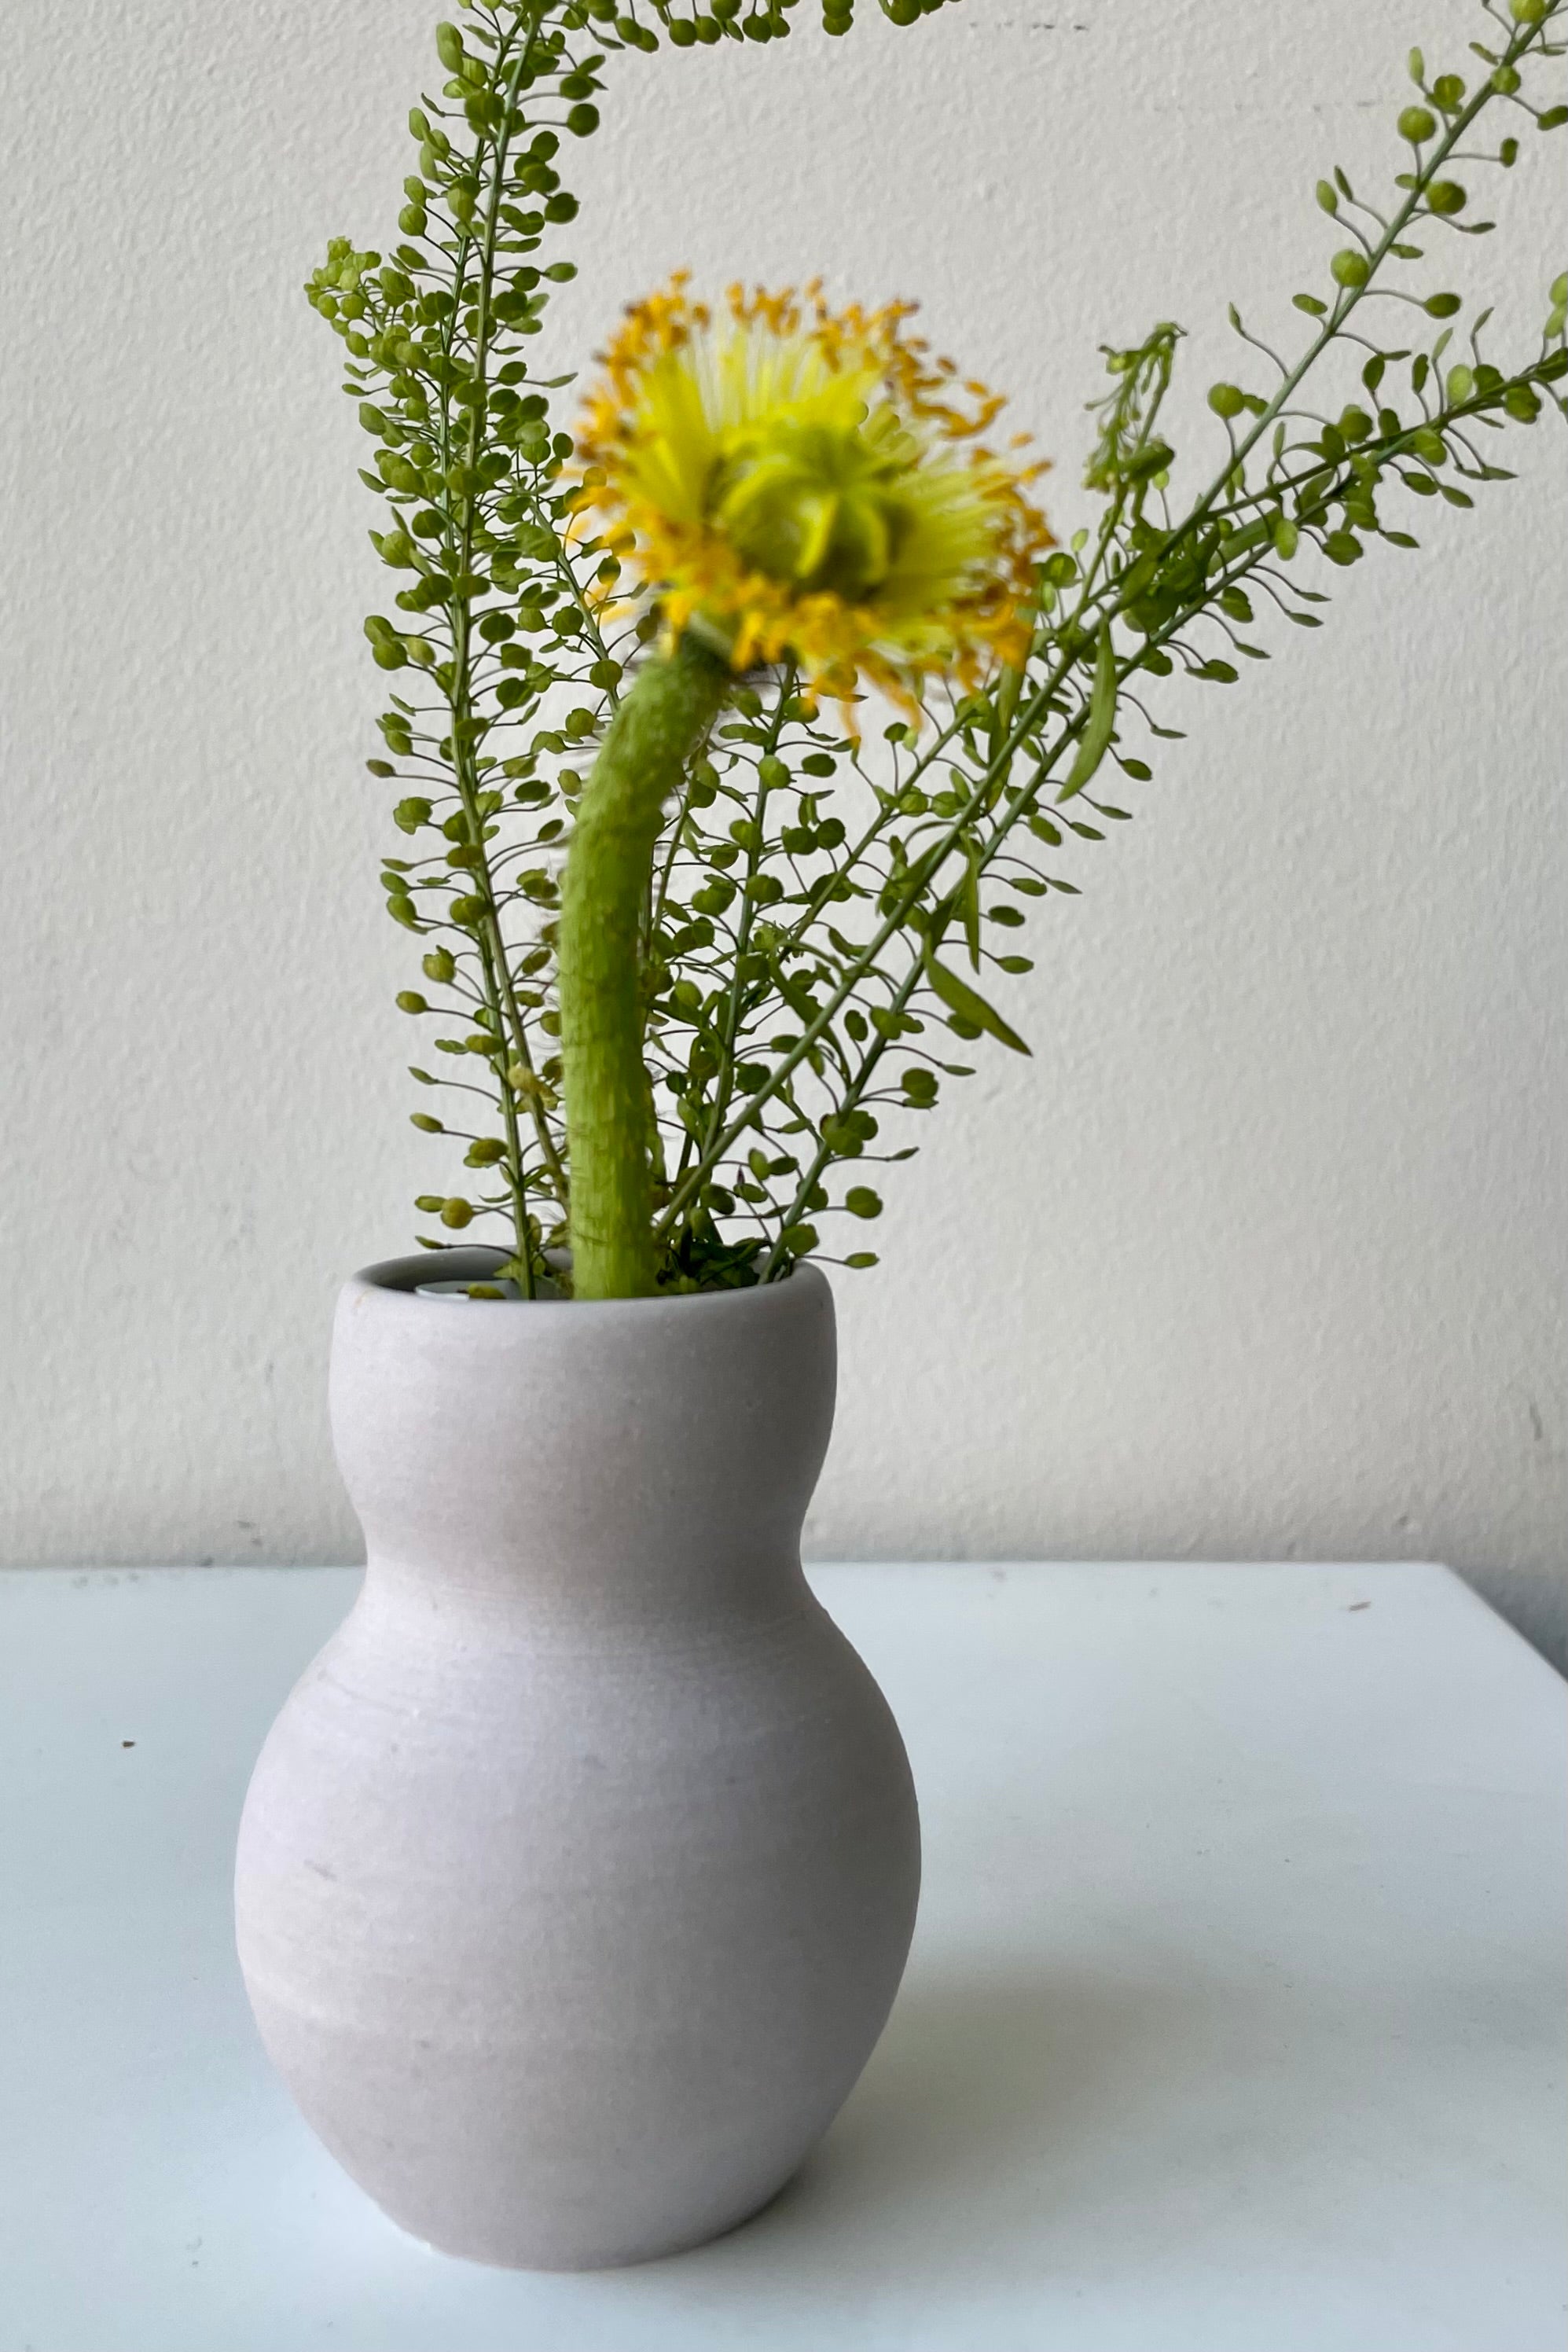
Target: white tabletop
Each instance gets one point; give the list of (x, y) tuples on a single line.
[(1234, 2020)]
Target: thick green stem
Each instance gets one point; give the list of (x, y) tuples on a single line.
[(604, 897)]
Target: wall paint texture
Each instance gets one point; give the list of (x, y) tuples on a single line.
[(1264, 1252)]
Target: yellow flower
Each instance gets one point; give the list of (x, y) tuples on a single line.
[(808, 483)]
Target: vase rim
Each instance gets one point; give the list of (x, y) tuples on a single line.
[(401, 1278)]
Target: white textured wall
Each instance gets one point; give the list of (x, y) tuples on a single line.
[(1264, 1253)]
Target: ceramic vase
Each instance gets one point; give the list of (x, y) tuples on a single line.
[(577, 1876)]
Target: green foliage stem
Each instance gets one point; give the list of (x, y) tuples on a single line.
[(603, 914), (790, 975)]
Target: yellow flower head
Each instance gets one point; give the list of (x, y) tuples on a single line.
[(808, 483)]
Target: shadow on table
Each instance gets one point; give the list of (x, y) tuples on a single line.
[(996, 2107)]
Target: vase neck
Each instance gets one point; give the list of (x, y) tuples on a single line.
[(617, 1464)]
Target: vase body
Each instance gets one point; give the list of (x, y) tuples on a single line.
[(577, 1876)]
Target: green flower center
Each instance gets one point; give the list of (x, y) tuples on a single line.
[(819, 505)]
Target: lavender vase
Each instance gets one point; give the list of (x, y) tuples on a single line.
[(577, 1874)]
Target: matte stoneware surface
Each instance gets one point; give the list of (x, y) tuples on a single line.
[(577, 1876)]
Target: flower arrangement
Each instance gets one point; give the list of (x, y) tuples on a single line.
[(696, 946)]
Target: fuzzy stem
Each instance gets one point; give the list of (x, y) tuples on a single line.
[(603, 895)]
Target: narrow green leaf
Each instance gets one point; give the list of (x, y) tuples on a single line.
[(961, 999), (1096, 739), (969, 904)]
